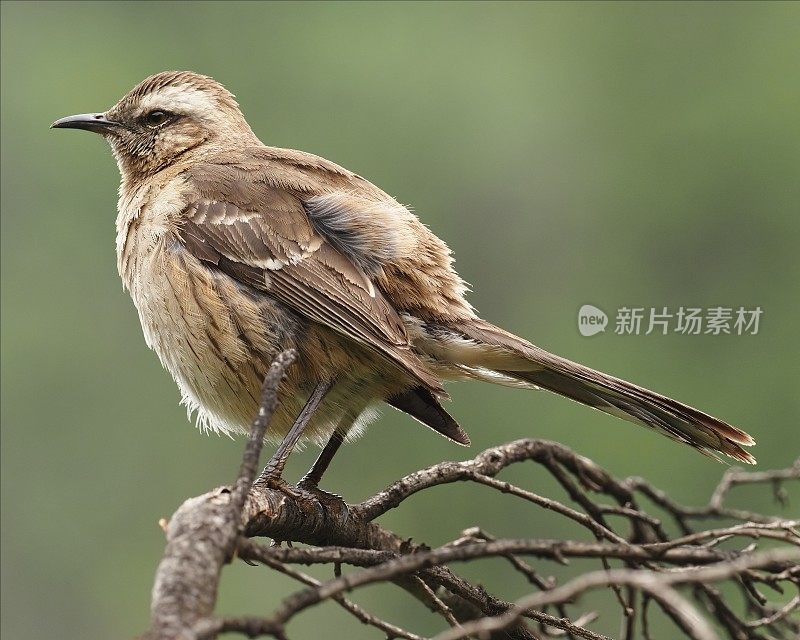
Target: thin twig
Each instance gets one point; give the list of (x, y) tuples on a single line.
[(659, 586), (207, 531), (202, 534)]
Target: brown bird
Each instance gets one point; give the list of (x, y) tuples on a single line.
[(234, 251)]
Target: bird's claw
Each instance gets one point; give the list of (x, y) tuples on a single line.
[(321, 496)]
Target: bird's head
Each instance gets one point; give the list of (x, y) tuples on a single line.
[(167, 117)]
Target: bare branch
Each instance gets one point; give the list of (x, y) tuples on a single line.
[(467, 550), (208, 531), (202, 534), (363, 616), (659, 586), (780, 614)]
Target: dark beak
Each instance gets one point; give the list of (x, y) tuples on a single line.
[(96, 122)]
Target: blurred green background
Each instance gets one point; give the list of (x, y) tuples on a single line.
[(614, 154)]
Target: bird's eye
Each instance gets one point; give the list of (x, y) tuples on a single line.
[(156, 118)]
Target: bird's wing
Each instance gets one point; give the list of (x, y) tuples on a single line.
[(410, 265), (271, 246)]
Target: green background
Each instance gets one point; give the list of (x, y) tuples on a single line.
[(613, 154)]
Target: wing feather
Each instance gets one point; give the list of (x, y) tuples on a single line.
[(271, 246)]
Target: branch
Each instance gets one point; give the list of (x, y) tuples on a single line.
[(658, 586), (202, 534), (467, 549), (211, 530)]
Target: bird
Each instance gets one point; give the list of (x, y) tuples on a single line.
[(234, 251)]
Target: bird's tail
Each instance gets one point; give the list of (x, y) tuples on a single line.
[(481, 350)]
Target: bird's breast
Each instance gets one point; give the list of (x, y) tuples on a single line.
[(210, 336)]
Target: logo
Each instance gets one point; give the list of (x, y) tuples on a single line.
[(688, 321), (591, 320)]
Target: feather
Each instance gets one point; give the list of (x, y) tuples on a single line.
[(289, 261)]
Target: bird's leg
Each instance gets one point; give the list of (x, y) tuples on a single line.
[(271, 475), (311, 480)]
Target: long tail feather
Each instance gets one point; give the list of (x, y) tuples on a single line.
[(515, 359)]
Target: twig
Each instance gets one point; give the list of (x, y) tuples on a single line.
[(362, 615), (208, 531), (658, 586), (467, 550), (202, 534), (780, 614)]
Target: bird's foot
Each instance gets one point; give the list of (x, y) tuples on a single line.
[(277, 483), (323, 497)]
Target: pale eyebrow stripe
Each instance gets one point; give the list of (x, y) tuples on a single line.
[(179, 98)]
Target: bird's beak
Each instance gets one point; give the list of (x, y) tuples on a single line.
[(96, 122)]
